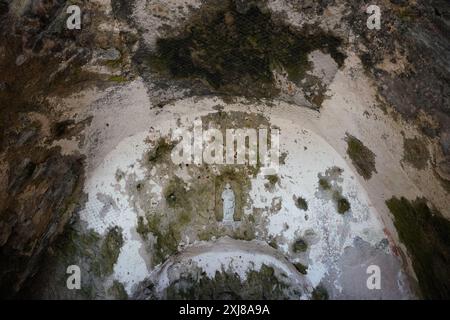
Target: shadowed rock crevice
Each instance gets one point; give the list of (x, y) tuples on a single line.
[(43, 192), (232, 50), (426, 234)]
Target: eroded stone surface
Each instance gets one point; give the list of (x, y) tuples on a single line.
[(87, 112)]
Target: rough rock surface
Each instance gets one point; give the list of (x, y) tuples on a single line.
[(49, 145)]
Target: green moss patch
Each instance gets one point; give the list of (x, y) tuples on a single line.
[(415, 153), (175, 193), (273, 243), (167, 226), (273, 179), (166, 234), (72, 244), (407, 14), (324, 184), (330, 189), (301, 203), (262, 284), (320, 293), (109, 251), (160, 152), (142, 228), (96, 256), (426, 235), (299, 245), (235, 51), (343, 205), (362, 157), (301, 268), (117, 291), (118, 79)]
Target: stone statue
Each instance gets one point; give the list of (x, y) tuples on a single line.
[(228, 203)]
